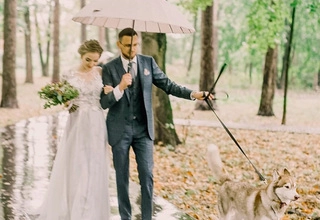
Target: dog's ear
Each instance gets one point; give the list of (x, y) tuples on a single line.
[(275, 175), (286, 172)]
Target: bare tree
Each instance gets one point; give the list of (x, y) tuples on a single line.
[(107, 39), (28, 47), (56, 34), (44, 62), (101, 36), (9, 84), (155, 45), (195, 21)]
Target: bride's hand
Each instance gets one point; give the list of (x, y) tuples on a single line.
[(107, 89), (66, 104), (70, 106)]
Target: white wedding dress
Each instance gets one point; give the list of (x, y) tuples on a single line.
[(78, 188)]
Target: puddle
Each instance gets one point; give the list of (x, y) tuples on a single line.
[(27, 152)]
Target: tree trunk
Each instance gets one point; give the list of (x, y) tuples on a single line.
[(250, 72), (9, 84), (315, 81), (44, 63), (268, 85), (102, 38), (28, 48), (83, 26), (287, 67), (193, 42), (207, 55), (56, 34), (165, 133), (215, 35), (319, 77), (107, 39), (285, 59)]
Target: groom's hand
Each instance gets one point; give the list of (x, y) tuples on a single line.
[(125, 82), (201, 95)]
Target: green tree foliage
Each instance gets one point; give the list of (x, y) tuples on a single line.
[(266, 27), (232, 35), (195, 5), (306, 54), (266, 23)]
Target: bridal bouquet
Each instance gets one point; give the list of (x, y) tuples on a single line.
[(60, 93)]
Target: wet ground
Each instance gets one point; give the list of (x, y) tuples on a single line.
[(27, 152)]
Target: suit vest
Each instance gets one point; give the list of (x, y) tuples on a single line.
[(137, 109)]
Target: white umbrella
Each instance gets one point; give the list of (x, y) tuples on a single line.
[(158, 16)]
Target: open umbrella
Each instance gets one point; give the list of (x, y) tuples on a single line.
[(157, 16)]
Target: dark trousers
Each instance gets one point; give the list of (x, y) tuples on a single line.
[(142, 145)]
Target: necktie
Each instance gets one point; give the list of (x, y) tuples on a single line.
[(131, 69)]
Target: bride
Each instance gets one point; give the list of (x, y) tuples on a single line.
[(78, 188)]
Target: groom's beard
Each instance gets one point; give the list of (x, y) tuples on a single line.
[(128, 57)]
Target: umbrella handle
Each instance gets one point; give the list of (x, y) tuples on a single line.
[(130, 50)]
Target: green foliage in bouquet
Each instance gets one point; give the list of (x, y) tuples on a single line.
[(58, 94)]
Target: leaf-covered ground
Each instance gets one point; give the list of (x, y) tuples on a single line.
[(182, 176)]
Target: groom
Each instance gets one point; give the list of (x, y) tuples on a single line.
[(130, 116)]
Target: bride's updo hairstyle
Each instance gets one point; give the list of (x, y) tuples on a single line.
[(90, 46)]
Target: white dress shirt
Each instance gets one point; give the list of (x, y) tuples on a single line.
[(116, 91)]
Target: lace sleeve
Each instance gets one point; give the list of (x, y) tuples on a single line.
[(99, 70), (67, 75)]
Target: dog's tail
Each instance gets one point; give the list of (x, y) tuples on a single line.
[(215, 164)]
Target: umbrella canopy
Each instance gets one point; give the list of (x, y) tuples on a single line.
[(158, 16)]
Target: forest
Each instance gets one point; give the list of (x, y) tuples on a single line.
[(271, 49), (269, 44)]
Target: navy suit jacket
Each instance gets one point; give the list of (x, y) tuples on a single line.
[(150, 74)]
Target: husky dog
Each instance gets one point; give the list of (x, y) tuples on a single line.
[(242, 201)]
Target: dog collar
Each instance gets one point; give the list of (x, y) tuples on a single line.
[(280, 204)]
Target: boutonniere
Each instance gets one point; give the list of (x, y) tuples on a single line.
[(146, 72)]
